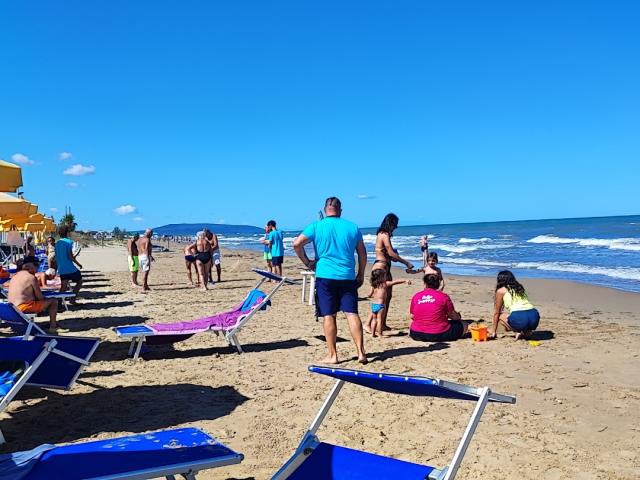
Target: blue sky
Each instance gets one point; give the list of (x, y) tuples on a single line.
[(243, 111)]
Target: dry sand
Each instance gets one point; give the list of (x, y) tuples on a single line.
[(577, 414)]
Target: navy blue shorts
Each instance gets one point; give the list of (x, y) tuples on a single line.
[(455, 332), (277, 261), (75, 277), (524, 320), (336, 296)]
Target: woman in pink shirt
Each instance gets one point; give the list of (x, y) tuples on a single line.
[(433, 316)]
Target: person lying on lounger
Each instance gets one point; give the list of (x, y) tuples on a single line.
[(44, 277)]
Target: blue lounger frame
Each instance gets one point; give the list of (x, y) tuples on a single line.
[(21, 323), (138, 333), (50, 362), (181, 451), (315, 460)]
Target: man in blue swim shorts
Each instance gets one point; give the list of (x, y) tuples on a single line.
[(335, 241)]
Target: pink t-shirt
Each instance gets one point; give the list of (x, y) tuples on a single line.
[(430, 310)]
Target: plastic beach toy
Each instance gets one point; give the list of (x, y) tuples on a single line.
[(479, 332), (534, 343)]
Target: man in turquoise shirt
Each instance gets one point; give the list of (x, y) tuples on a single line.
[(336, 241), (67, 262)]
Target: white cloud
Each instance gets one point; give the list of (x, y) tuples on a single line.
[(22, 159), (79, 170), (362, 196), (138, 219), (72, 185), (53, 209), (65, 156), (221, 220), (124, 209)]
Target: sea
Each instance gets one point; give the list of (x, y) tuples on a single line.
[(601, 251)]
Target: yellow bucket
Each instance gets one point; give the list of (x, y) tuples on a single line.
[(479, 332)]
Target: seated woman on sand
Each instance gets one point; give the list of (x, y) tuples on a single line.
[(433, 316), (522, 317)]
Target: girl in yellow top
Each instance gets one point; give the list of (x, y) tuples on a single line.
[(513, 310)]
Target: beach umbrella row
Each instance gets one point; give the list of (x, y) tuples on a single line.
[(15, 211)]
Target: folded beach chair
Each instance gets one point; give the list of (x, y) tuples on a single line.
[(21, 323), (42, 361), (315, 460), (227, 323), (181, 451)]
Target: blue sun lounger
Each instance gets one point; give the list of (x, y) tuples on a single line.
[(228, 323), (21, 323), (182, 451), (315, 460), (43, 361)]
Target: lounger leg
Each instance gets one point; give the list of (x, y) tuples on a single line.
[(304, 286), (2, 439), (131, 347), (237, 344), (138, 348), (312, 289)]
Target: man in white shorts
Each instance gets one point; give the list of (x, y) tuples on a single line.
[(144, 257)]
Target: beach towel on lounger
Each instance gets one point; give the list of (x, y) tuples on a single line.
[(15, 466), (220, 321)]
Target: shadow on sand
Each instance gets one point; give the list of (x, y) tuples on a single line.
[(67, 418), (399, 352), (81, 324)]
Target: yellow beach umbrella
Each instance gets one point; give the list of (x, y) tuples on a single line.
[(10, 205), (10, 177), (32, 227)]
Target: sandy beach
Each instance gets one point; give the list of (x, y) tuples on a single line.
[(578, 392)]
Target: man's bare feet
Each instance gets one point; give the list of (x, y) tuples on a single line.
[(330, 360), (363, 360), (366, 329), (387, 328)]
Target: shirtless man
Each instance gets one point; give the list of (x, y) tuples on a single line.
[(144, 257), (202, 247), (215, 254), (25, 293), (134, 265)]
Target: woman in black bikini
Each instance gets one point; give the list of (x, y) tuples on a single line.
[(385, 254), (202, 248)]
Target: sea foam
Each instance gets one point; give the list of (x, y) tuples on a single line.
[(631, 244)]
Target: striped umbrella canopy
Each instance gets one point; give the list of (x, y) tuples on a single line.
[(10, 177)]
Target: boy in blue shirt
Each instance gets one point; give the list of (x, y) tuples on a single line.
[(275, 242)]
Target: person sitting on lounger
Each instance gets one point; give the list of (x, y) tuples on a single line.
[(25, 293), (433, 316), (520, 315), (44, 277)]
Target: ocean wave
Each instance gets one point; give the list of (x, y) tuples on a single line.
[(631, 244), (474, 240), (473, 261), (625, 273), (469, 248)]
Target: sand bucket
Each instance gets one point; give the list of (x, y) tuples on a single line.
[(479, 332)]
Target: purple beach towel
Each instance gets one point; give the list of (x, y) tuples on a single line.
[(221, 321)]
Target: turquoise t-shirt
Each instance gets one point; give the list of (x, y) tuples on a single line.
[(277, 243), (335, 241), (64, 246)]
